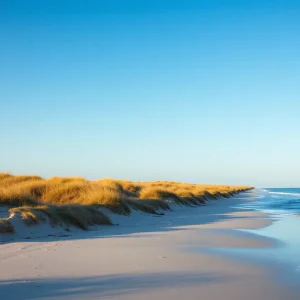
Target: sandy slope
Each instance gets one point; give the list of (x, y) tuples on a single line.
[(147, 257)]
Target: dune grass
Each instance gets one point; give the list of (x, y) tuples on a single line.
[(6, 226), (78, 215), (77, 201)]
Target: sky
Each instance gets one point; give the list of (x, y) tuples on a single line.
[(194, 91)]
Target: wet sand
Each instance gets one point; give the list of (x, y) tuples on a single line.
[(148, 257)]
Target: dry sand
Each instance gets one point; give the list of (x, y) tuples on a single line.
[(147, 257)]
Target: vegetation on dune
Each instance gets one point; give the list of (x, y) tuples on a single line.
[(16, 196), (76, 201), (78, 215), (5, 175), (6, 226), (10, 180)]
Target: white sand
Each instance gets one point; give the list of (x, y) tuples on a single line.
[(146, 257)]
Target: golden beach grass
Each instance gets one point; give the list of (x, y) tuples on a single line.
[(77, 200), (78, 215), (6, 226)]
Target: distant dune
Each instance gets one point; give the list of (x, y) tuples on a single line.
[(77, 202)]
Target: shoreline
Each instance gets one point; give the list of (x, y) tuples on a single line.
[(149, 257)]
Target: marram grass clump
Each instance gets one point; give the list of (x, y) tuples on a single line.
[(78, 215), (6, 226), (77, 201)]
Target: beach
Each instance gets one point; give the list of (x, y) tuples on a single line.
[(149, 150), (188, 252)]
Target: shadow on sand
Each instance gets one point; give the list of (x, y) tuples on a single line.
[(102, 286)]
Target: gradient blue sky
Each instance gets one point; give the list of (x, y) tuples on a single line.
[(194, 91)]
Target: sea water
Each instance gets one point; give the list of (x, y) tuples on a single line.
[(283, 206), (278, 200)]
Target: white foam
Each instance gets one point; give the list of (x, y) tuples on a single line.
[(283, 193)]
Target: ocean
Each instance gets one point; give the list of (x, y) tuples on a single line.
[(283, 205), (277, 200)]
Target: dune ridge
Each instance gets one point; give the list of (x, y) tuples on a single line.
[(79, 202)]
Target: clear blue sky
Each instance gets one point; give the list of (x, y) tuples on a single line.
[(195, 91)]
